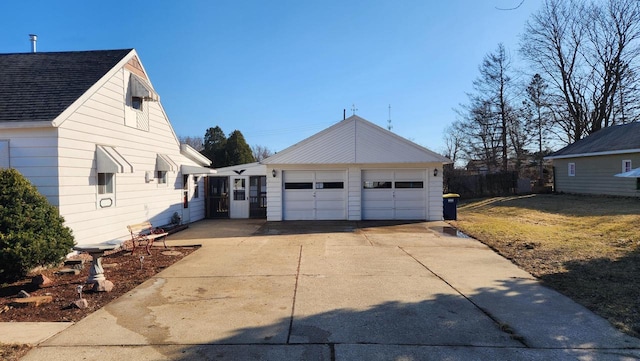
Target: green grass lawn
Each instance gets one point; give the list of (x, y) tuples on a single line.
[(586, 247)]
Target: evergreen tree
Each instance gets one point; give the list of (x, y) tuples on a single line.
[(215, 147), (238, 151), (32, 233)]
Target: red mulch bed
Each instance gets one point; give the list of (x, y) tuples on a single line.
[(120, 267)]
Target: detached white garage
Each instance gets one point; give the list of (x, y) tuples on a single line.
[(354, 170)]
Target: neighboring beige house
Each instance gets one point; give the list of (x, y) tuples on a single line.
[(354, 170), (588, 166), (88, 130)]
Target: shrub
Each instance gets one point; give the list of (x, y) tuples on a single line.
[(32, 232)]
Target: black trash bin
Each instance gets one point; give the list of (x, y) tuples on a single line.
[(450, 206)]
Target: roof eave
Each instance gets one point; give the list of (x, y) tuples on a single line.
[(194, 155), (594, 154), (26, 125)]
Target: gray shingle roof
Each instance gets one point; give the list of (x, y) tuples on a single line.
[(40, 86), (616, 138)]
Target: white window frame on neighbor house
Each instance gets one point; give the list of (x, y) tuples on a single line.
[(626, 165), (571, 169)]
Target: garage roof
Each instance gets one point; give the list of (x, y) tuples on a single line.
[(355, 141)]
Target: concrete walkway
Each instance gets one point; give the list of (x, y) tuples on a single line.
[(338, 291)]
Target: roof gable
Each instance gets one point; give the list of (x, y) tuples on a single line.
[(36, 87), (355, 141), (615, 139)]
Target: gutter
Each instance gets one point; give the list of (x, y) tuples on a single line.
[(595, 154)]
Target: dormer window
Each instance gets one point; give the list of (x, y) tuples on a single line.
[(138, 95), (136, 103)]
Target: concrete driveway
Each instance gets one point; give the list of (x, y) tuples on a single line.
[(338, 291)]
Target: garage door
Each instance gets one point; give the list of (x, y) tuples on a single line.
[(394, 194), (314, 195)]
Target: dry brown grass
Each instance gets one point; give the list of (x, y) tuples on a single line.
[(583, 246)]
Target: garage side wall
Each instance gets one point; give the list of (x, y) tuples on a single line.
[(434, 200), (274, 194), (354, 195)]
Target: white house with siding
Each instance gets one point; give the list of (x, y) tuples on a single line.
[(354, 170), (88, 130)]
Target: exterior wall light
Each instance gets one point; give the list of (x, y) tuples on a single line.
[(435, 172), (274, 173)]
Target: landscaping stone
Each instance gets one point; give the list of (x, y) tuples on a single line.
[(41, 281), (68, 271), (34, 301), (80, 303), (74, 263), (103, 286)]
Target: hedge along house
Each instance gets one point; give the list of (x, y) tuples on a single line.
[(588, 166), (88, 129), (354, 170)]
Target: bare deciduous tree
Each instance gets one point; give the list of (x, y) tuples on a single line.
[(589, 54), (196, 143), (261, 152), (492, 87)]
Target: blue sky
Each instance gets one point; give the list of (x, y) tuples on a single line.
[(282, 70)]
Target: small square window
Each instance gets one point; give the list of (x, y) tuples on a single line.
[(239, 189), (105, 183), (572, 169), (136, 103), (162, 176)]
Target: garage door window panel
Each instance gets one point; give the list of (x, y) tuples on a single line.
[(329, 185), (377, 185), (298, 185), (410, 184)]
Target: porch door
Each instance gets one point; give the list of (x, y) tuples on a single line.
[(218, 197), (240, 197), (258, 197)]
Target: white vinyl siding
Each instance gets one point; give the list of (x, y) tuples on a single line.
[(100, 120), (33, 152)]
